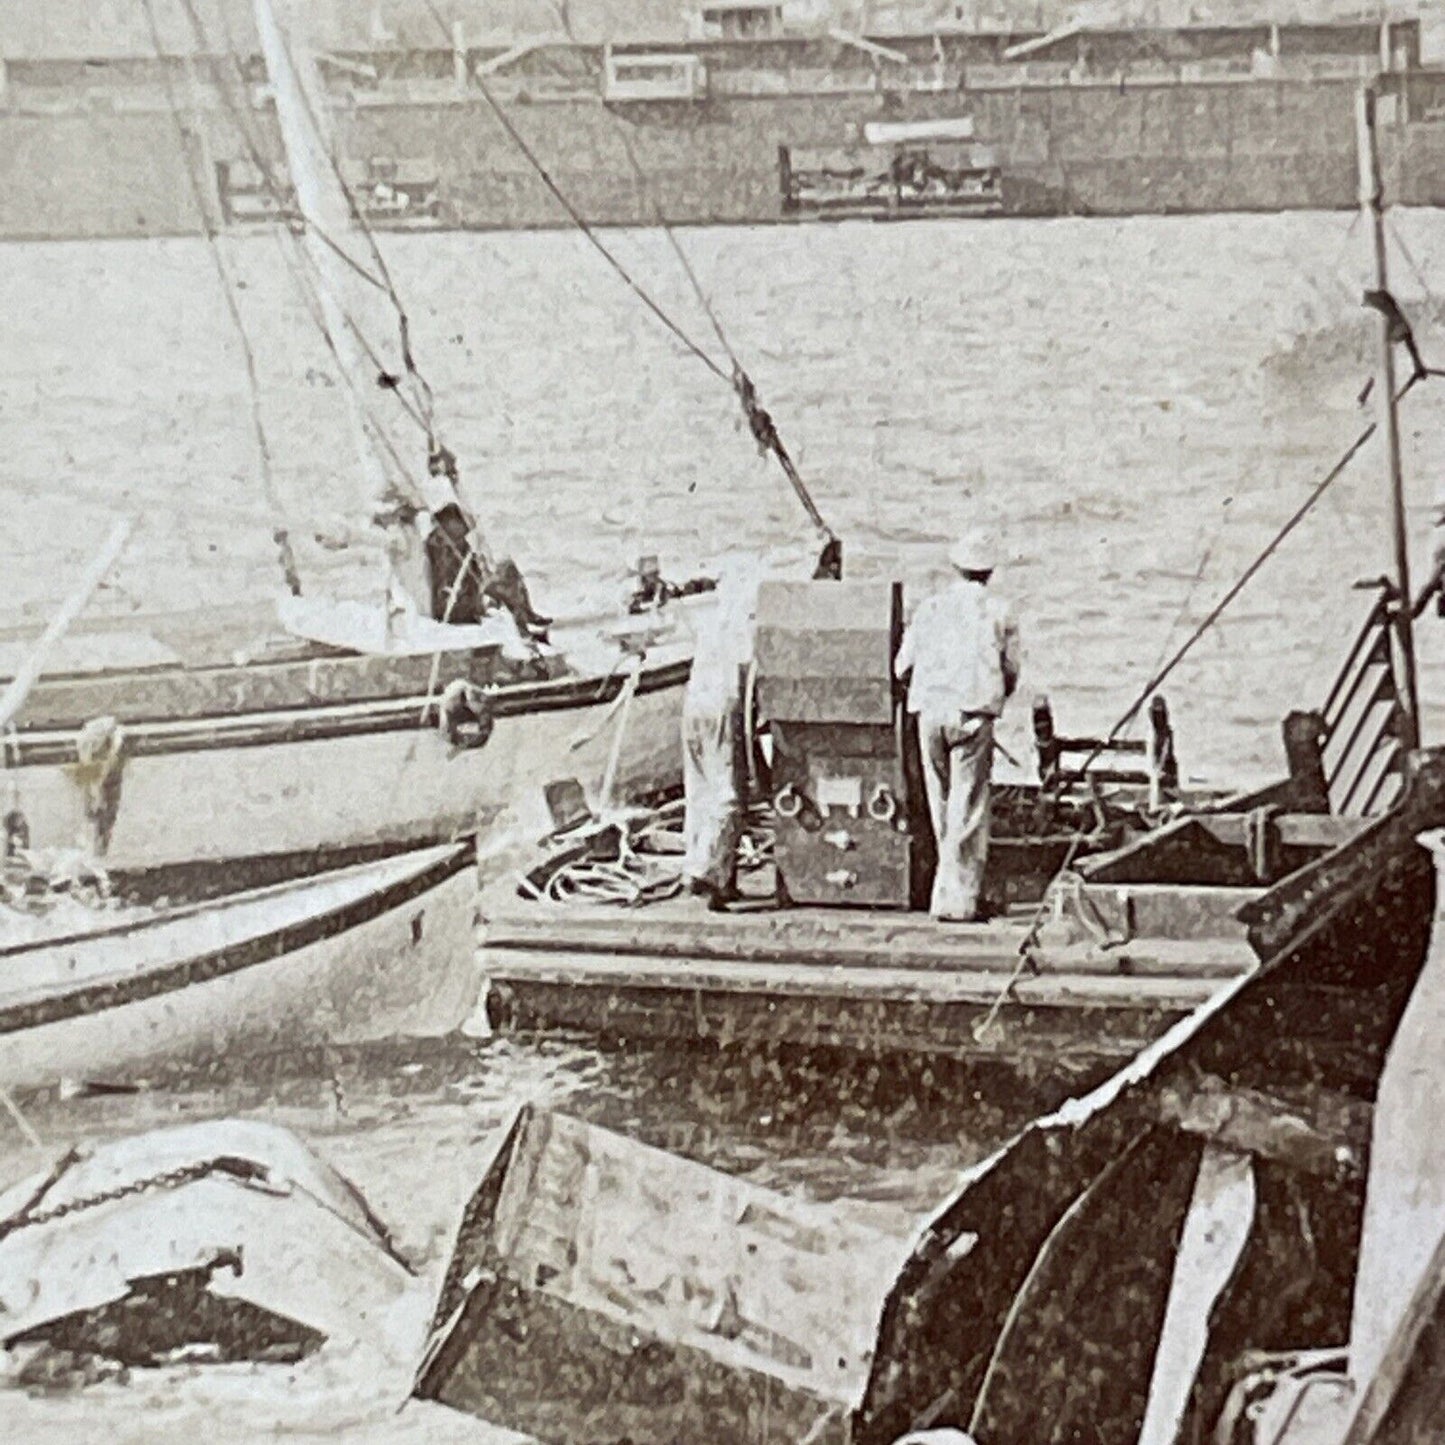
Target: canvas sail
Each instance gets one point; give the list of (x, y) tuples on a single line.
[(387, 412)]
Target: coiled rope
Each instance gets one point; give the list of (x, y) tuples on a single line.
[(639, 860)]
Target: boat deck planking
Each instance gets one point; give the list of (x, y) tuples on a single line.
[(894, 982)]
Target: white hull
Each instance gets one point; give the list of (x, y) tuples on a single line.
[(379, 951), (306, 1248), (269, 784)]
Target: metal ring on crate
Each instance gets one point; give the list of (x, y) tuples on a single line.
[(882, 805), (789, 802)]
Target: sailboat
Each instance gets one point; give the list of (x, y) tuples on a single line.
[(368, 723)]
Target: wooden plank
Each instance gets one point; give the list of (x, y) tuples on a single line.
[(1295, 830), (820, 938), (1062, 1042), (1301, 904), (1101, 745), (1216, 1230), (197, 692), (1148, 911), (1325, 1134), (1407, 1381), (982, 986)]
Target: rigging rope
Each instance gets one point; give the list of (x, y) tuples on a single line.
[(1410, 261), (358, 218), (422, 409), (1077, 774), (591, 236), (285, 557), (760, 422), (1242, 581), (375, 429), (242, 119), (656, 206)]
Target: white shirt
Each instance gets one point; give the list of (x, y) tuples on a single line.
[(963, 649), (723, 650)]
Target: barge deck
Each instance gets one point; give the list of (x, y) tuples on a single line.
[(883, 983)]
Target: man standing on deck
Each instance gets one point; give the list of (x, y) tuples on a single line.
[(714, 740), (962, 649)]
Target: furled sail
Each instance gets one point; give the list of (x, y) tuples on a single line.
[(356, 310)]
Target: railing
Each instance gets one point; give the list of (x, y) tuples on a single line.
[(1052, 73), (843, 81), (1098, 760), (1361, 751)]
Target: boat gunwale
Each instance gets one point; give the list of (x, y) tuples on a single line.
[(1357, 883), (235, 957), (178, 912), (319, 721), (943, 988)]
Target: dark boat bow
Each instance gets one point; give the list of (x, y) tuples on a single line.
[(1034, 1306)]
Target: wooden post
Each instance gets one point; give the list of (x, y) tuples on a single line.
[(1304, 739), (1045, 743), (1216, 1230), (605, 800), (1404, 1214), (459, 57), (1163, 765), (1373, 211)]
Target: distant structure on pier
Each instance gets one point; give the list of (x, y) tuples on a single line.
[(735, 111)]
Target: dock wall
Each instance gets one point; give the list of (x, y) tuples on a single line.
[(1107, 149)]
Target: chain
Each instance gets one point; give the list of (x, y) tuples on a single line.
[(242, 1169)]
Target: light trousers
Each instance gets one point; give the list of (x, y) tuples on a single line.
[(957, 766), (714, 781)]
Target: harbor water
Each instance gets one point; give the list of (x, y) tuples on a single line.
[(1133, 407)]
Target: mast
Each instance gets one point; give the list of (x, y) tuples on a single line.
[(1372, 208), (299, 111)]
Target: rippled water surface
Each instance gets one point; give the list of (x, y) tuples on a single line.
[(1134, 406), (1119, 397)]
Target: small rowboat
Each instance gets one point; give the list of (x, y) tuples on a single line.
[(600, 1289), (372, 951), (206, 1244)]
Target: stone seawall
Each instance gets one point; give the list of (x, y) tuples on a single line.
[(1079, 149)]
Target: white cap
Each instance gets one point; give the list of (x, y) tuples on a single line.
[(973, 552)]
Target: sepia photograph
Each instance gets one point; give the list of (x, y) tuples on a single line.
[(722, 722)]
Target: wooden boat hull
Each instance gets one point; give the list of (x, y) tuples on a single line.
[(1034, 1306), (298, 781), (223, 1240), (601, 1290), (820, 978), (377, 951)]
